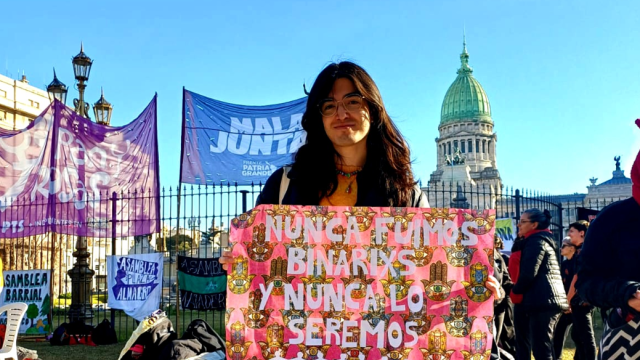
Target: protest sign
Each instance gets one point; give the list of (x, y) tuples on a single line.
[(351, 283), (58, 172), (506, 230), (30, 287), (135, 283), (237, 143), (203, 283)]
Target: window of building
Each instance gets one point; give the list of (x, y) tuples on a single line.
[(449, 147), (470, 146), (455, 144), (477, 146), (34, 104), (3, 93), (483, 150), (462, 145)]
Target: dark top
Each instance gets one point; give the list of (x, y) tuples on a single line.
[(609, 267), (501, 274), (539, 279), (568, 269), (368, 192)]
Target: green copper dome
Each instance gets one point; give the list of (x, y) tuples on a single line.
[(465, 100)]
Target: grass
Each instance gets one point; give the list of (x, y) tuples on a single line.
[(76, 352)]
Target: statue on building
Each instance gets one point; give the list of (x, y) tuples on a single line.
[(617, 160), (456, 159)]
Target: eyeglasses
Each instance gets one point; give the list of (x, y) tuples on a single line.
[(351, 103), (565, 245), (524, 221)]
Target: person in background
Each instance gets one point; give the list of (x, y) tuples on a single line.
[(540, 284), (501, 306), (581, 311), (567, 268)]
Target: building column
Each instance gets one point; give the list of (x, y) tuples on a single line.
[(494, 159), (473, 145)]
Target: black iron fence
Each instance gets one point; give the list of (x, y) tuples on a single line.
[(191, 221)]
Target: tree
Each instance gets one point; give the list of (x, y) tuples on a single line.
[(179, 242), (46, 305), (32, 312)]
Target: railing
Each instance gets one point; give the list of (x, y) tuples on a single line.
[(191, 223)]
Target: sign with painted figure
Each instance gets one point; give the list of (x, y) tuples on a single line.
[(507, 231), (31, 287), (203, 283), (238, 143), (134, 283), (59, 171), (351, 283)]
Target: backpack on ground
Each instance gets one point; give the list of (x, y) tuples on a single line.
[(60, 335), (104, 333)]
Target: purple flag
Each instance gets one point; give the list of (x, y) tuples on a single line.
[(58, 174)]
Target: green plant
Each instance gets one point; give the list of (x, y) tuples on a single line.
[(32, 312)]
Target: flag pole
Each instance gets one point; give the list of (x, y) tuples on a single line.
[(182, 136)]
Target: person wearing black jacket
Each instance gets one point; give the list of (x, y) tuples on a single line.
[(567, 269), (540, 283), (581, 311)]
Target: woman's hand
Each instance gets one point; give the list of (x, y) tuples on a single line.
[(226, 259), (493, 285)]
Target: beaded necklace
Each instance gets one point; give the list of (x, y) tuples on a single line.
[(348, 175)]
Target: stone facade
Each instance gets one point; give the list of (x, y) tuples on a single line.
[(597, 197)]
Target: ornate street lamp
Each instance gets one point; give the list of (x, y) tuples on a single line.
[(102, 108), (81, 274), (81, 69), (57, 90)]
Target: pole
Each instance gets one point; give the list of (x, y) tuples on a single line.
[(175, 242), (179, 203), (244, 200), (517, 205), (52, 277), (114, 199)]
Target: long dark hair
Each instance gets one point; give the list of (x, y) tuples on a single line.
[(388, 155)]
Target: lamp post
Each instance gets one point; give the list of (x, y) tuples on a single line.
[(81, 274), (81, 69), (57, 90)]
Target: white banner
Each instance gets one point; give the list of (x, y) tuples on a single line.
[(135, 283)]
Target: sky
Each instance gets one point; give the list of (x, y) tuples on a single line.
[(562, 77)]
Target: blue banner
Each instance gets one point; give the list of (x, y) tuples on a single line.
[(237, 143)]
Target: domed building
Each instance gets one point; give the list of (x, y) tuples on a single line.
[(467, 143)]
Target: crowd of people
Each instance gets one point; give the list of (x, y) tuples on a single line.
[(546, 306), (354, 155)]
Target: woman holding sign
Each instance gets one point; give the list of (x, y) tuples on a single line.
[(540, 284)]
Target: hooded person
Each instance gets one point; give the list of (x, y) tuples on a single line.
[(608, 271)]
